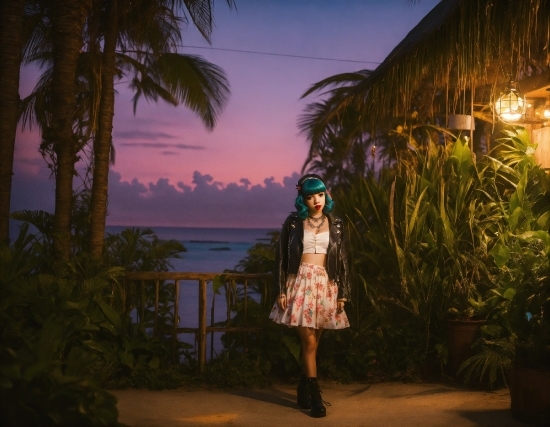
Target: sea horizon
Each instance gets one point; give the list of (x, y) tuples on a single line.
[(209, 249)]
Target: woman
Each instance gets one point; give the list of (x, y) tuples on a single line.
[(311, 281)]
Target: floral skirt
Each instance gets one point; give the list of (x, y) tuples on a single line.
[(312, 301)]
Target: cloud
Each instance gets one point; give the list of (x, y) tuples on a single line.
[(141, 134), (208, 204), (205, 203), (161, 145)]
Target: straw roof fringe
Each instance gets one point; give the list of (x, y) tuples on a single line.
[(459, 46)]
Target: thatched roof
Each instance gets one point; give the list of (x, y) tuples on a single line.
[(425, 29), (462, 51)]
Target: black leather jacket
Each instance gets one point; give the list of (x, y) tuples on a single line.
[(291, 246)]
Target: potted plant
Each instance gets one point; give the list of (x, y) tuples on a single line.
[(515, 342), (463, 330), (529, 323), (466, 312)]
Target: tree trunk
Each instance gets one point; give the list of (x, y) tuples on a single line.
[(103, 138), (67, 25), (11, 39)]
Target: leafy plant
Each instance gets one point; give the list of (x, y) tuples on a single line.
[(516, 329), (67, 329), (43, 355)]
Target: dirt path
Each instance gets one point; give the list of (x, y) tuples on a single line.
[(376, 405)]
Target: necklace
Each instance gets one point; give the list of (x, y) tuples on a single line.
[(315, 226), (316, 219)]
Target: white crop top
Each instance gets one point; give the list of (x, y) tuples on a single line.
[(315, 243)]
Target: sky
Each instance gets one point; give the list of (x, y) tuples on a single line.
[(170, 171)]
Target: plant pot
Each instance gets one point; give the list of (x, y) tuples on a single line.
[(461, 122), (461, 334), (530, 395)]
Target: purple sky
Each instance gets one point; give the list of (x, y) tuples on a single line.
[(170, 170)]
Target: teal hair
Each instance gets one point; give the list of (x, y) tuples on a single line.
[(308, 185)]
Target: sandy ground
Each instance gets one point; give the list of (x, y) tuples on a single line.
[(372, 405)]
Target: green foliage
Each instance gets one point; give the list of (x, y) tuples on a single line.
[(425, 237), (66, 330), (490, 363), (234, 369), (261, 256), (45, 323), (139, 249), (419, 238), (168, 376), (516, 329)]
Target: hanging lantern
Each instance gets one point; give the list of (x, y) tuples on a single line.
[(511, 105)]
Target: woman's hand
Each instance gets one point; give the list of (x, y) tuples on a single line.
[(282, 302), (341, 306)]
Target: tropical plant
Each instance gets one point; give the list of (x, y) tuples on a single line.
[(138, 249), (48, 332), (516, 329), (131, 250), (260, 257), (420, 236), (338, 144)]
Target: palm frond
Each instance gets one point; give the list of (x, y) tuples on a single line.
[(35, 107), (198, 84), (343, 79), (200, 12), (491, 363)]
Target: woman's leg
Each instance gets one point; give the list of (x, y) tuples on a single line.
[(310, 342), (309, 338)]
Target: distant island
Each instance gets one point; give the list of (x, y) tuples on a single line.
[(223, 248), (206, 241)]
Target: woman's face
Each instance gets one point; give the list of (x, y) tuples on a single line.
[(315, 203)]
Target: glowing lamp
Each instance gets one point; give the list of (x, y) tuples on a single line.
[(511, 105)]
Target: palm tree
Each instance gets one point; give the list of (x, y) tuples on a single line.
[(147, 34), (338, 142), (68, 18), (11, 42), (102, 142), (177, 78)]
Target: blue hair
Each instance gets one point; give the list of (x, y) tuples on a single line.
[(308, 186)]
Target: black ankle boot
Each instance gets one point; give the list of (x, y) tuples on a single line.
[(318, 410), (303, 394)]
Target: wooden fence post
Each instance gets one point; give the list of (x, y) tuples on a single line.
[(202, 324), (176, 317)]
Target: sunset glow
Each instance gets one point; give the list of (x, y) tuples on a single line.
[(256, 138)]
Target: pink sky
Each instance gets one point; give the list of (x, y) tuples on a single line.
[(256, 137)]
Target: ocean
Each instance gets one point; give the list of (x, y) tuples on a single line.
[(209, 250)]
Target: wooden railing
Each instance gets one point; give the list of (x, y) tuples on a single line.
[(161, 279)]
